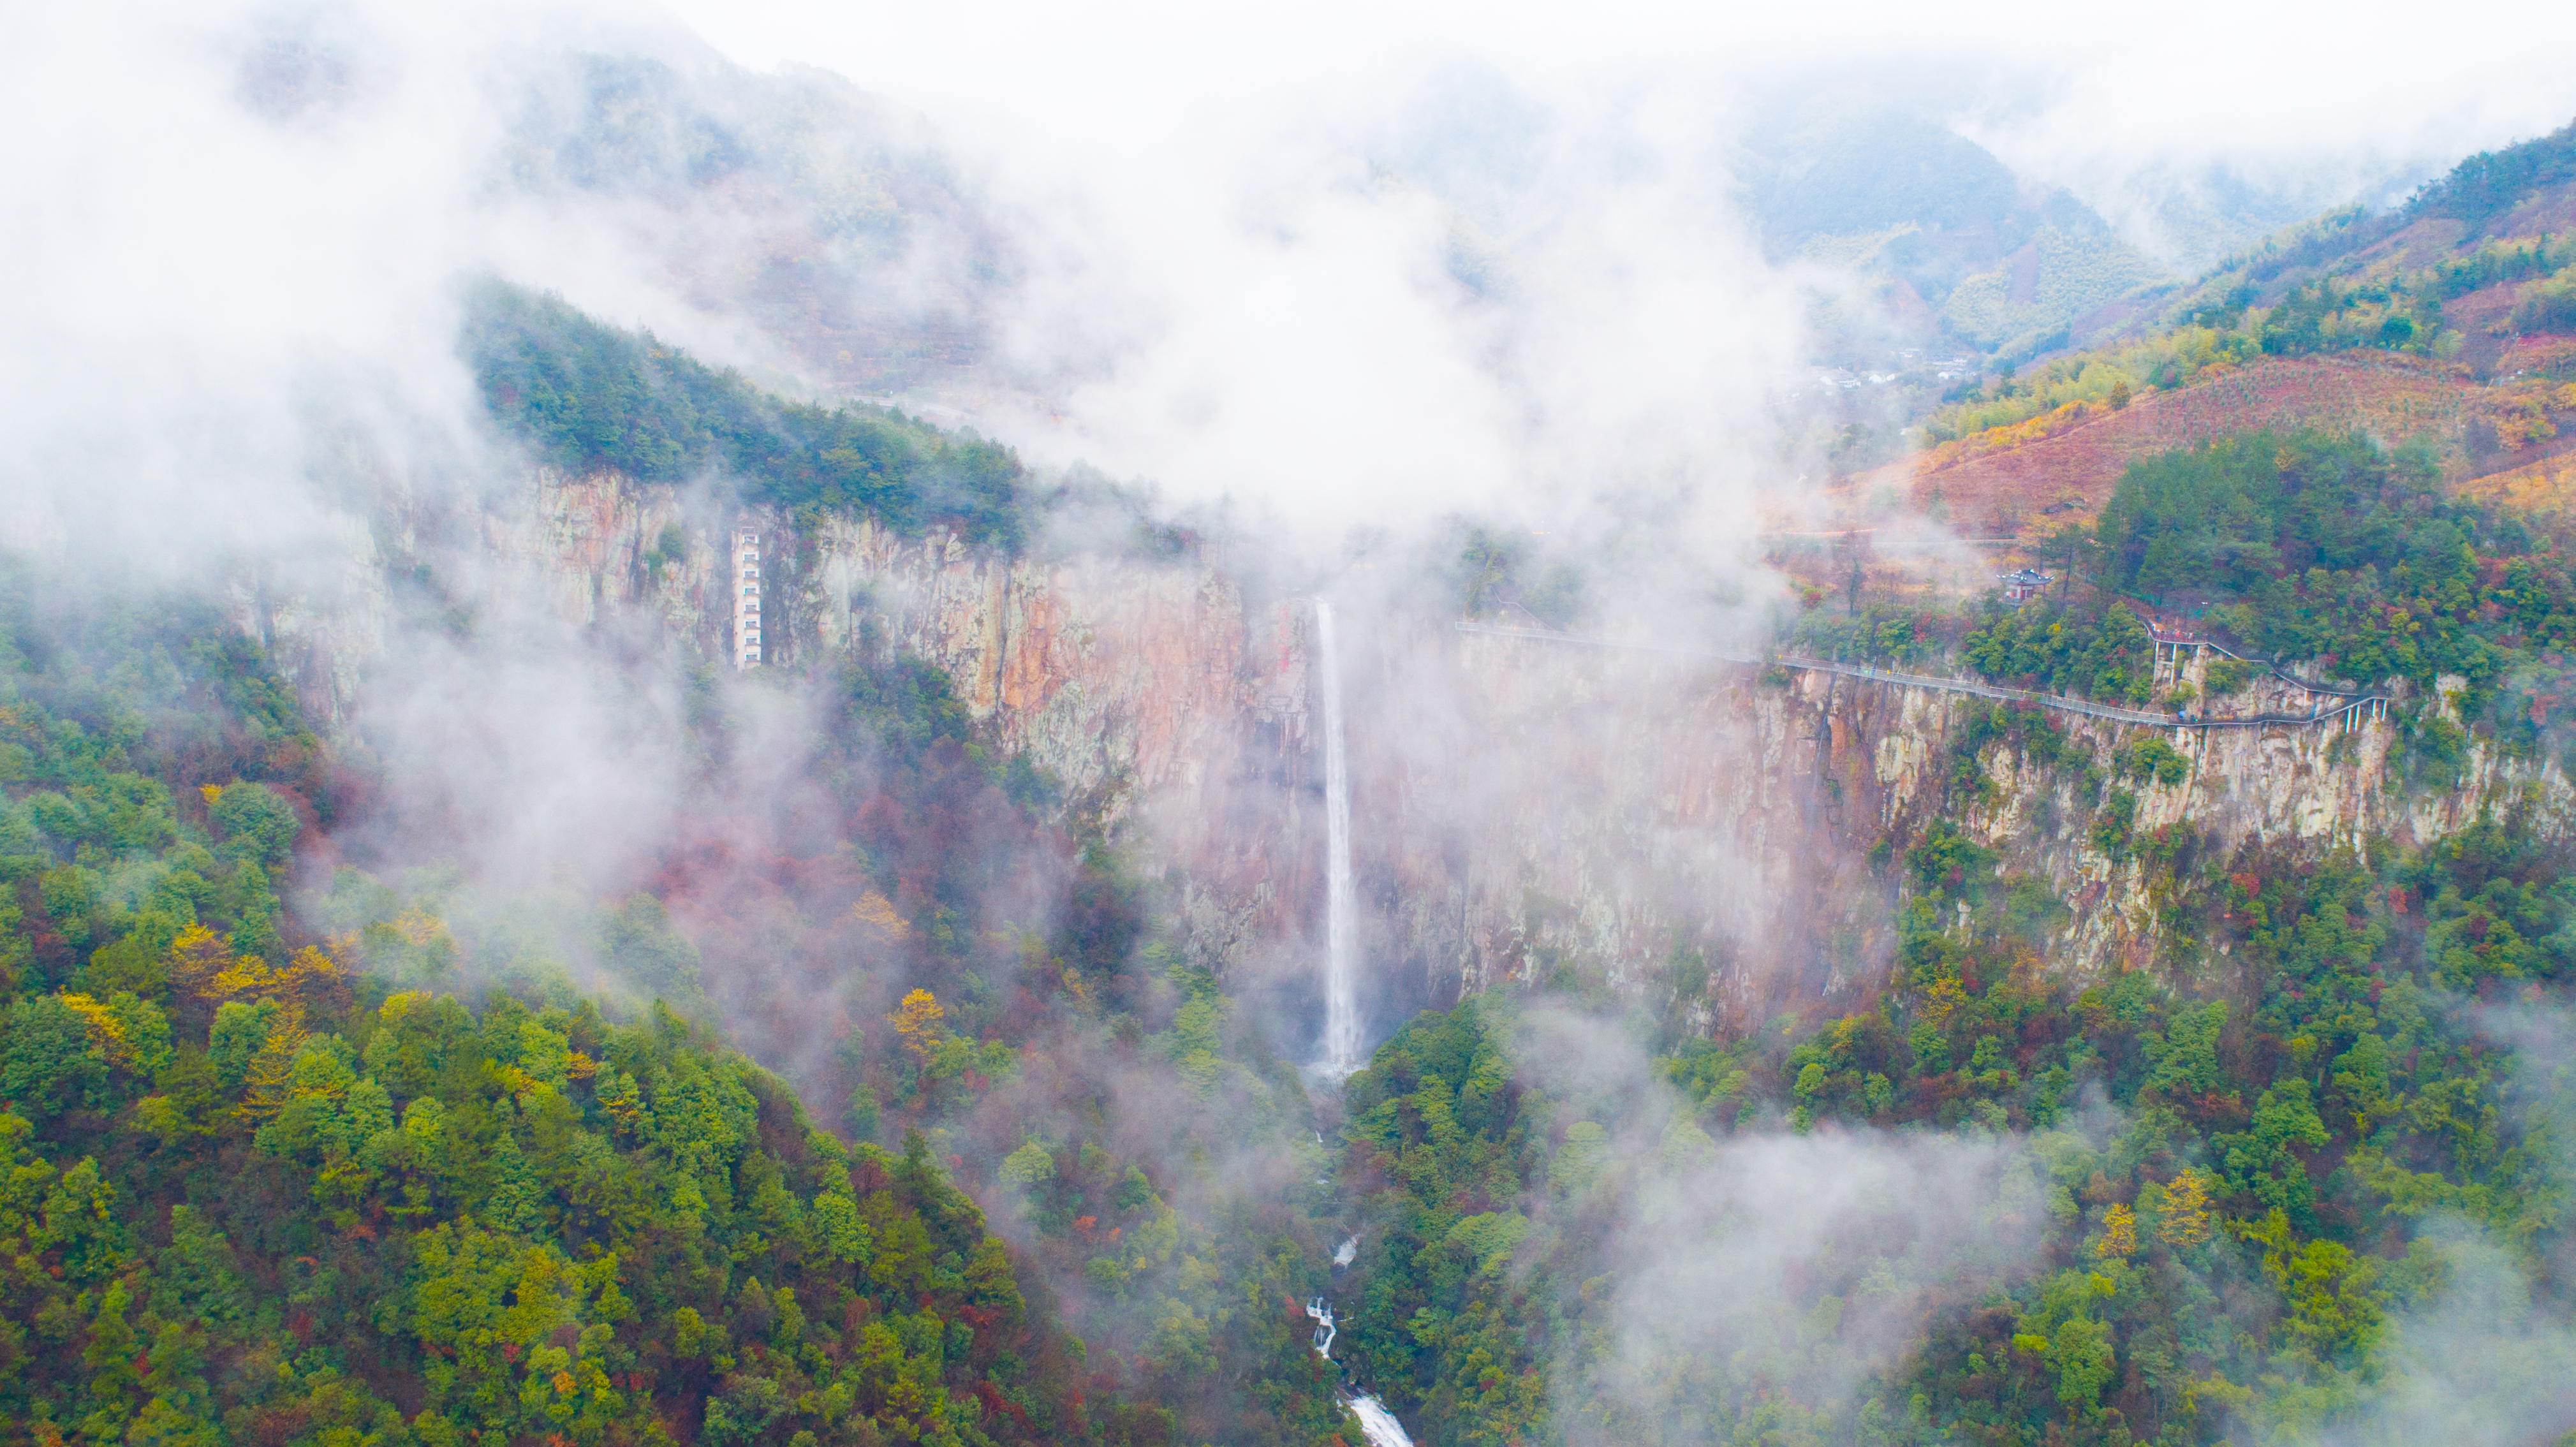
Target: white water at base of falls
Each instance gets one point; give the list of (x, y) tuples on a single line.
[(1377, 1424), (1341, 927)]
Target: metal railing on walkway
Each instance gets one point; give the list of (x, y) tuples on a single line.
[(2269, 665), (2348, 713)]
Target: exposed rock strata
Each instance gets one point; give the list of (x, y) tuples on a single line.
[(1680, 830)]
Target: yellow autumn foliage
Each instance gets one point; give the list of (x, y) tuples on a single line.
[(197, 956), (875, 913), (420, 928), (916, 1023), (2186, 1218), (2119, 1234), (106, 1032), (269, 1084)]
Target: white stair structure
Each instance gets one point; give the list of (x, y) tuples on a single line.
[(744, 571)]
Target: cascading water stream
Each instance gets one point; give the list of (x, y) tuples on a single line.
[(1377, 1424), (1341, 981), (1341, 927)]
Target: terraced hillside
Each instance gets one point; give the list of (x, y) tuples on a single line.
[(2446, 324), (2546, 488), (2061, 466)]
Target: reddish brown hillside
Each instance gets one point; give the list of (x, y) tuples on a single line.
[(2545, 489), (2035, 481)]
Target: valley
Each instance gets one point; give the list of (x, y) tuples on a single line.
[(730, 889)]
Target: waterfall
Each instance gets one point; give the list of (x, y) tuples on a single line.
[(1341, 928), (1341, 981)]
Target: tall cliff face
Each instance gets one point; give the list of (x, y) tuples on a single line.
[(1549, 810), (1123, 679), (1687, 832), (1164, 703), (1678, 830), (578, 554), (594, 549), (2311, 788), (1168, 707), (1700, 835)]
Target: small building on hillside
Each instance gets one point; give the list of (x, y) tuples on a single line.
[(2023, 585)]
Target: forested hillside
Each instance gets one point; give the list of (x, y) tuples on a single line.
[(2275, 1161), (2230, 1185), (358, 1162), (257, 1197), (2444, 321), (586, 396), (383, 1160), (2238, 1170), (2330, 553)]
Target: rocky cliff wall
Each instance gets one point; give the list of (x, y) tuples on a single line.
[(1123, 679), (1163, 702), (1646, 819), (558, 555), (1166, 705), (1523, 810)]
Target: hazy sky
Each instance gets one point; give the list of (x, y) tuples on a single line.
[(1214, 260), (2069, 88), (1234, 302)]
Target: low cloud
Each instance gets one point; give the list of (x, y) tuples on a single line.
[(1766, 1276)]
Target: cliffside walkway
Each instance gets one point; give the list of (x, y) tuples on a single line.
[(2347, 713), (2171, 644)]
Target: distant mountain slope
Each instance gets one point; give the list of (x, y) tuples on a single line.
[(2459, 255), (1854, 174), (793, 199), (1997, 262), (2450, 321)]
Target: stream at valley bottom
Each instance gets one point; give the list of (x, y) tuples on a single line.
[(1377, 1424)]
